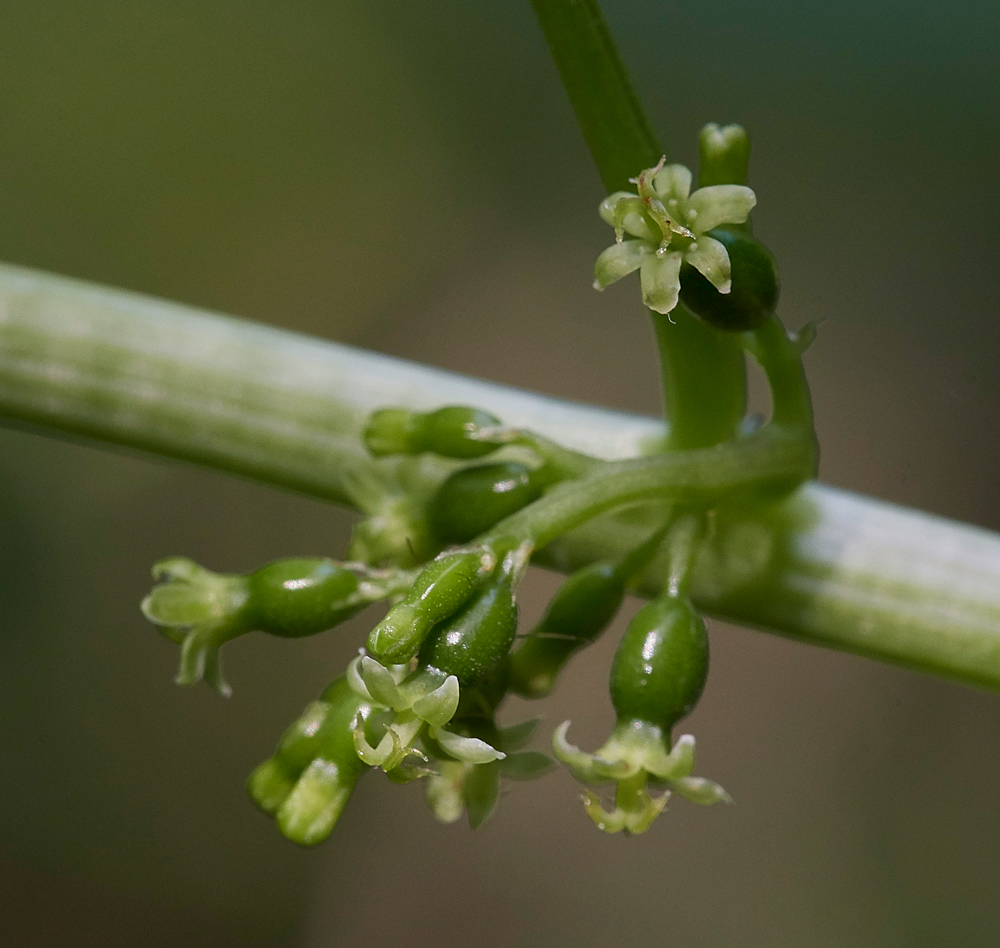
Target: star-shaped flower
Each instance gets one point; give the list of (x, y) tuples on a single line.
[(667, 225), (636, 753), (418, 702)]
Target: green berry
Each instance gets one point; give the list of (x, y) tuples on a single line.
[(755, 286), (659, 670), (473, 499), (303, 596)]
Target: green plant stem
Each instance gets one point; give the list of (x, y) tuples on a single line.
[(781, 361), (704, 376), (607, 108), (772, 457), (704, 379), (825, 566)]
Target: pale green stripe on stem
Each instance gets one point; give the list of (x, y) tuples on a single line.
[(825, 567)]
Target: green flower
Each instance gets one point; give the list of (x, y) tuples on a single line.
[(668, 226), (636, 754), (417, 703)]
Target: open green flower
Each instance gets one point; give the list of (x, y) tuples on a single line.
[(418, 702), (636, 753), (667, 226)]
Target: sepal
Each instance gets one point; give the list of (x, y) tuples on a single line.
[(634, 818), (470, 750)]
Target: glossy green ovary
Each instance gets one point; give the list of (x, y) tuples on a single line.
[(578, 613), (472, 644), (661, 664), (472, 500), (755, 285), (297, 597)]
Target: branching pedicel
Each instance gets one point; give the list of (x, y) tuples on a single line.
[(448, 551)]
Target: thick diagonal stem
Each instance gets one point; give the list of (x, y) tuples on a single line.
[(825, 566)]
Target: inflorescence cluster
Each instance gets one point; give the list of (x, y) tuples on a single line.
[(447, 543)]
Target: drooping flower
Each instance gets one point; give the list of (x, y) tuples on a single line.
[(667, 225), (635, 754)]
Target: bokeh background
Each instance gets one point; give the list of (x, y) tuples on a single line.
[(408, 177)]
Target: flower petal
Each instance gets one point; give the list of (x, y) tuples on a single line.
[(587, 768), (178, 603), (710, 258), (609, 206), (439, 707), (649, 808), (380, 683), (354, 680), (175, 568), (213, 674), (619, 260), (720, 204), (638, 225), (608, 822), (469, 749), (678, 763), (661, 281), (373, 756), (673, 181), (700, 790), (624, 212)]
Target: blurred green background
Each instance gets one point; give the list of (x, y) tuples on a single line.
[(408, 177)]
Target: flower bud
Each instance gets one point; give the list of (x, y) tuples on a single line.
[(452, 432), (442, 588), (724, 154), (307, 783)]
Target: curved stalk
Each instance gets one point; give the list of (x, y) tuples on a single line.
[(704, 375), (825, 566)]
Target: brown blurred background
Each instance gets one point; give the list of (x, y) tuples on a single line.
[(408, 177)]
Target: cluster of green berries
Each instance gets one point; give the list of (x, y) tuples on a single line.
[(419, 702), (444, 540)]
